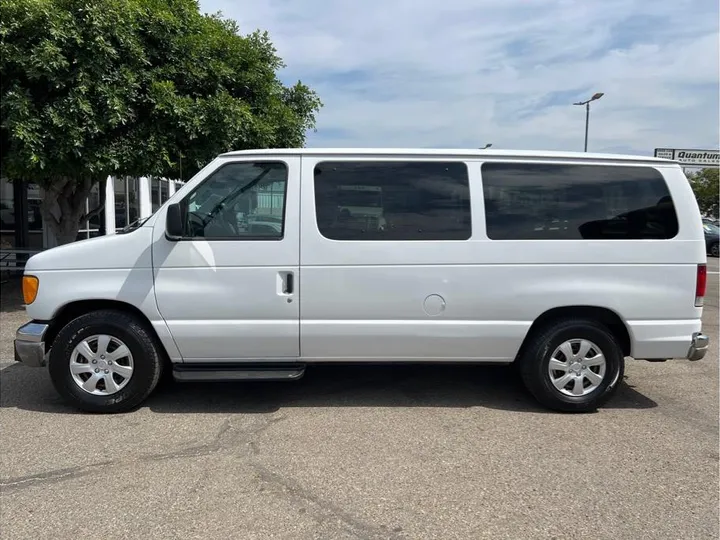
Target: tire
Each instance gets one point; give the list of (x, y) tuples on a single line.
[(544, 344), (714, 250), (143, 359)]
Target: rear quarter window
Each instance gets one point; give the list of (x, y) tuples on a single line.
[(526, 201)]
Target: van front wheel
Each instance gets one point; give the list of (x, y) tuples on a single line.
[(105, 362), (572, 365)]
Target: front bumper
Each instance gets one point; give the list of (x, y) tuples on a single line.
[(30, 344), (699, 347)]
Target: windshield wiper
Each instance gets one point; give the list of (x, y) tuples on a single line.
[(227, 199), (134, 225)]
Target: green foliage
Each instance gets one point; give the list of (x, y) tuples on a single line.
[(136, 87), (706, 185)]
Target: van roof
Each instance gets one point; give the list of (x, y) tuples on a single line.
[(447, 152)]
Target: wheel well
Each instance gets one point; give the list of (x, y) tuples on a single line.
[(604, 316), (74, 310)]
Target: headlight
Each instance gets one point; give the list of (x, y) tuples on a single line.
[(30, 285)]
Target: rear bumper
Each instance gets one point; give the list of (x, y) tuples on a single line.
[(30, 344), (698, 347), (663, 339)]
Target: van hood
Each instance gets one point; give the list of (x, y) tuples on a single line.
[(113, 251)]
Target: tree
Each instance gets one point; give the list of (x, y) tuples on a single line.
[(706, 186), (133, 87)]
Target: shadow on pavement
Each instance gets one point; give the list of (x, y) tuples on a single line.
[(322, 386)]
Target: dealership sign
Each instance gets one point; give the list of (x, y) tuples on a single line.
[(690, 157)]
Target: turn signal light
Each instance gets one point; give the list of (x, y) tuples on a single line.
[(30, 285)]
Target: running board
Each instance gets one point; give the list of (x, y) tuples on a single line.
[(237, 372)]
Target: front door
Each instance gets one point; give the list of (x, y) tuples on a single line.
[(227, 289)]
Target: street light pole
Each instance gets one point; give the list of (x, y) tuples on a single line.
[(595, 96), (587, 122)]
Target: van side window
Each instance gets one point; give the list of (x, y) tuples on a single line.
[(396, 200), (242, 201), (525, 201)]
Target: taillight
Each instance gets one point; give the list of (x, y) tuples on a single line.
[(700, 285)]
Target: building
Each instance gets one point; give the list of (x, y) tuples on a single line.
[(126, 199)]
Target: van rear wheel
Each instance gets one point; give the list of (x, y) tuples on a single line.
[(105, 362), (572, 365)]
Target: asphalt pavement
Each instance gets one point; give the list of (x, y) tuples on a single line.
[(362, 453)]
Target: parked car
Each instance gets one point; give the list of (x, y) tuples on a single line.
[(561, 263), (264, 226), (712, 238), (7, 215)]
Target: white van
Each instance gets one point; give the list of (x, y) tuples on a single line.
[(562, 263)]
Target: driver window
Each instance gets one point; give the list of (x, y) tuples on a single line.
[(239, 201)]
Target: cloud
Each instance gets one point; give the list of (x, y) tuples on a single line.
[(461, 73)]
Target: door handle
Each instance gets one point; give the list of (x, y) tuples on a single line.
[(285, 283), (289, 283)]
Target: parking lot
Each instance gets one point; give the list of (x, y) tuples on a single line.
[(365, 452)]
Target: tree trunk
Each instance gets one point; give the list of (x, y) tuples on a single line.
[(65, 229), (63, 207)]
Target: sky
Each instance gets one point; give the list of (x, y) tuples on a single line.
[(464, 73)]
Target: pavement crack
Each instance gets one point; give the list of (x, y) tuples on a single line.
[(211, 447), (249, 436), (219, 442), (321, 510), (20, 482)]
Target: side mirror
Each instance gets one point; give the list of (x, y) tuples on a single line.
[(173, 222)]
